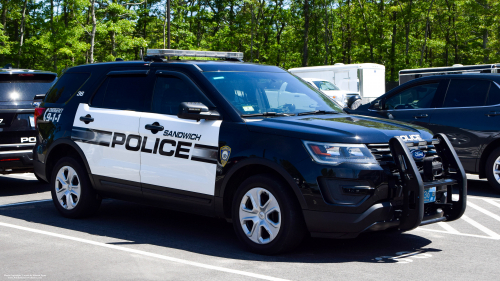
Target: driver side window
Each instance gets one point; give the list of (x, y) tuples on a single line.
[(420, 96)]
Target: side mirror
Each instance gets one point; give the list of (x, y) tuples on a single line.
[(197, 111), (354, 102), (378, 105)]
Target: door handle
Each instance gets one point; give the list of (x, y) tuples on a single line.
[(154, 128), (493, 113), (421, 116), (86, 119)]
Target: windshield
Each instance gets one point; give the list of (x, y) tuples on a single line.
[(262, 92), (326, 86), (23, 87)]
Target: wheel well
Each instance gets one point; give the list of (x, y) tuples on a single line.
[(484, 156), (241, 175), (58, 152)]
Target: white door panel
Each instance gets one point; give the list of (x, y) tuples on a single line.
[(103, 142), (183, 156)]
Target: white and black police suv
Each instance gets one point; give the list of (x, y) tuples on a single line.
[(21, 90), (249, 143)]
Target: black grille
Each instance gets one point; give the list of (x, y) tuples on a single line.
[(382, 152)]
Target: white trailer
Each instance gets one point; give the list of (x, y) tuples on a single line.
[(366, 79)]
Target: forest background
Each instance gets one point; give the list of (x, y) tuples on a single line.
[(400, 34)]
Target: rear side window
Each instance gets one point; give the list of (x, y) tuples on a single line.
[(24, 86), (123, 92), (466, 92), (493, 95), (67, 85), (171, 91)]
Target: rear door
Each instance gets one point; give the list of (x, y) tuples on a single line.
[(179, 156), (107, 130), (469, 114)]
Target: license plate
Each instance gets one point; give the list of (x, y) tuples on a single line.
[(430, 195)]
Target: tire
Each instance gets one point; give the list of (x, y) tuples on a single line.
[(75, 200), (492, 165), (279, 217), (40, 179)]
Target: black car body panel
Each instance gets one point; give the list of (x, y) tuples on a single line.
[(18, 87), (332, 198)]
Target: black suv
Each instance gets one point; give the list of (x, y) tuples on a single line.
[(18, 88), (464, 107), (249, 143)]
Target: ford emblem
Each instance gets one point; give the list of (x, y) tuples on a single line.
[(418, 154)]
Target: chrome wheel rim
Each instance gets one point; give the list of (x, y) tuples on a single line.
[(67, 187), (260, 215), (496, 169)]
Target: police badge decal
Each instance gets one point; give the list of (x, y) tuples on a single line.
[(225, 152)]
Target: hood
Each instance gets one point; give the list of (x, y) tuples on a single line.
[(340, 128)]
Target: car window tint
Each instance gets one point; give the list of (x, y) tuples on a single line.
[(126, 93), (466, 92), (66, 86), (171, 91), (420, 96), (493, 95)]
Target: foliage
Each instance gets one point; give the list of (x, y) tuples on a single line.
[(399, 34)]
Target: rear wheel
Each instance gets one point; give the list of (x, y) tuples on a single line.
[(493, 169), (72, 193), (266, 216)]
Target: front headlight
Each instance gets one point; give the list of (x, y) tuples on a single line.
[(337, 153)]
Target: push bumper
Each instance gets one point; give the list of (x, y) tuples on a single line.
[(412, 212)]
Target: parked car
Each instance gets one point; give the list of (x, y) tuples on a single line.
[(18, 88), (249, 143), (334, 92), (465, 107)]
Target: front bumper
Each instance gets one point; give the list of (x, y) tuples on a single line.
[(405, 209)]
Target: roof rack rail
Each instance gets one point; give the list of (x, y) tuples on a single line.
[(160, 54)]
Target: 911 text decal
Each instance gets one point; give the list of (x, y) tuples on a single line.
[(131, 142), (52, 114)]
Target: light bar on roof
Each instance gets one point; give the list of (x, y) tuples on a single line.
[(198, 54)]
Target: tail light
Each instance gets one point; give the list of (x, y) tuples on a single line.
[(38, 112), (9, 159)]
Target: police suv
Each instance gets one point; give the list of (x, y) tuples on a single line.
[(18, 88), (249, 143)]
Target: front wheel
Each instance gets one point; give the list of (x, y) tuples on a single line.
[(72, 192), (266, 216), (493, 169)]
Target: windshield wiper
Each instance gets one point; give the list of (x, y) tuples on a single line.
[(318, 112), (267, 114)]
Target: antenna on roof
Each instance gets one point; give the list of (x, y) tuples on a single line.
[(8, 66), (118, 59), (140, 54)]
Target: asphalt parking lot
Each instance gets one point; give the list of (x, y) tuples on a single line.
[(127, 241)]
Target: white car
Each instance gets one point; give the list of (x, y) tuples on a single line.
[(331, 90)]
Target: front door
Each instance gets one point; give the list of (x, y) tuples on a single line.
[(412, 105), (179, 156)]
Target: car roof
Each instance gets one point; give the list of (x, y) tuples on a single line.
[(203, 65), (494, 77)]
